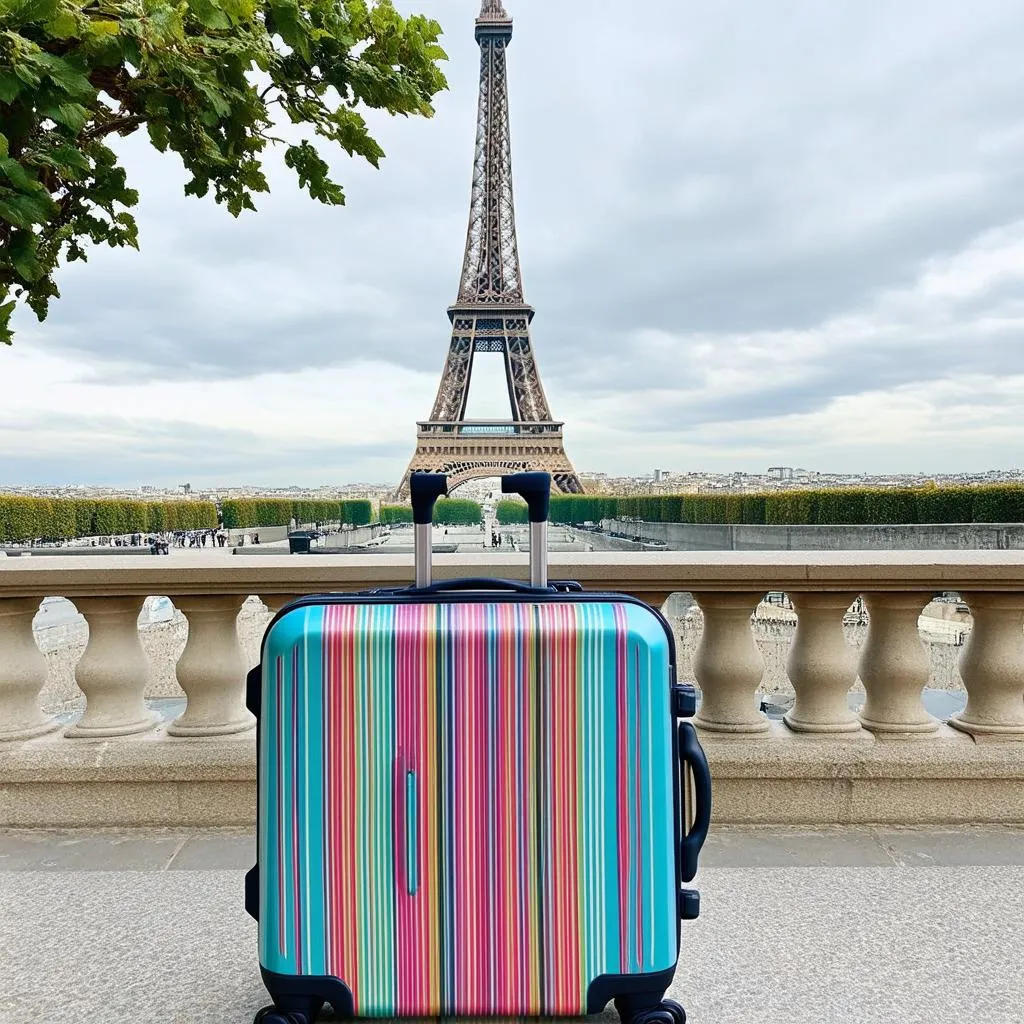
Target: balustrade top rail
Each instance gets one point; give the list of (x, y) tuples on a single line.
[(648, 574)]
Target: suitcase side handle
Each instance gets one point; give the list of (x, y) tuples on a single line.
[(691, 755)]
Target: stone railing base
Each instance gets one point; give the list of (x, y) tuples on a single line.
[(786, 778), (774, 778), (151, 781)]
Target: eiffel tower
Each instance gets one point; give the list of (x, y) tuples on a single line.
[(491, 314)]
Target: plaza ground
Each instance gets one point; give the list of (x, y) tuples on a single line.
[(860, 926)]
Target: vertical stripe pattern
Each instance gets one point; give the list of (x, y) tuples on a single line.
[(467, 808)]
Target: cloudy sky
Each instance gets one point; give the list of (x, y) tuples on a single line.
[(755, 233)]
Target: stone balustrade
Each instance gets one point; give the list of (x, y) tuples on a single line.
[(893, 762)]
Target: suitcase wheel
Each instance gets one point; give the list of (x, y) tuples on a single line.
[(678, 1013), (271, 1015), (655, 1016), (667, 1012)]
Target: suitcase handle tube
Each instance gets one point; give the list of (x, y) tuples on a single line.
[(425, 489), (448, 586), (535, 490), (691, 755)]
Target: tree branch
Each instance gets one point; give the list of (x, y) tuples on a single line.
[(125, 125)]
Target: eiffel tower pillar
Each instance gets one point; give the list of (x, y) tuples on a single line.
[(491, 314)]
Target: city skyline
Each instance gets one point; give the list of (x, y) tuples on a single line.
[(656, 481), (755, 244)]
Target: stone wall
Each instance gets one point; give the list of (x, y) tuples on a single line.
[(955, 537)]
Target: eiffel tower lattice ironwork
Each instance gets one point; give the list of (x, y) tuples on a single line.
[(491, 313)]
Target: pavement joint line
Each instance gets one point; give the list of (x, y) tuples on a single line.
[(181, 846), (888, 850)]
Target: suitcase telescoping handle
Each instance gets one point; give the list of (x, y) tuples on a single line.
[(535, 490), (425, 489), (485, 583), (691, 755)]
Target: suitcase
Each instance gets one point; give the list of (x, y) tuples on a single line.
[(471, 797)]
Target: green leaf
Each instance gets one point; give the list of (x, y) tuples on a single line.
[(72, 81), (37, 10), (159, 134), (17, 175), (289, 24), (209, 14), (104, 27), (6, 312), (25, 211), (4, 145), (313, 174), (69, 156), (70, 115), (64, 25), (22, 252), (10, 86)]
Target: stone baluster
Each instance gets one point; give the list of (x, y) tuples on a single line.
[(22, 672), (728, 665), (992, 667), (113, 671), (821, 665), (275, 602), (894, 665), (211, 669)]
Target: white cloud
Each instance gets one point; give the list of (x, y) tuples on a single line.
[(750, 239)]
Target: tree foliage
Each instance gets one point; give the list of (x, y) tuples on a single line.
[(206, 79), (27, 519), (510, 512), (457, 512), (246, 513), (847, 506), (392, 515)]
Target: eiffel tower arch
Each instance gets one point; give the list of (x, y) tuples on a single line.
[(491, 314)]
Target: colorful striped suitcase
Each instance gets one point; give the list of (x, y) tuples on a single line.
[(470, 798)]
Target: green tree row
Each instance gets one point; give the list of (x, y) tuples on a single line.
[(566, 509), (391, 515), (457, 512), (855, 506), (447, 512), (25, 519), (246, 513), (511, 513)]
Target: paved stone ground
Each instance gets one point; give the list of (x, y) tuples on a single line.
[(859, 926)]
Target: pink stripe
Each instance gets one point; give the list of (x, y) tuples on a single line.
[(622, 787), (296, 768), (639, 822)]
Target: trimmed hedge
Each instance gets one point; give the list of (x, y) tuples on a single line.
[(578, 508), (357, 512), (246, 513), (447, 512), (457, 512), (840, 506), (26, 519), (511, 513), (392, 515)]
